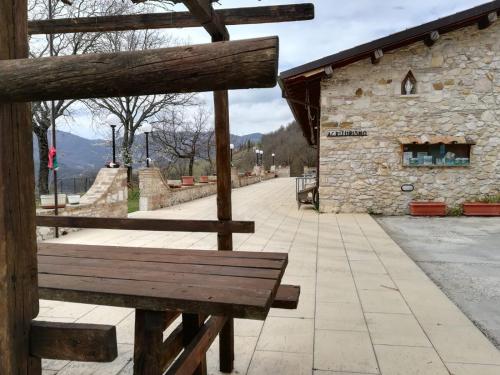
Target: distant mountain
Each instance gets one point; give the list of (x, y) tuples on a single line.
[(239, 140), (78, 156)]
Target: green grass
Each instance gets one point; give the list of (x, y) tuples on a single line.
[(133, 200)]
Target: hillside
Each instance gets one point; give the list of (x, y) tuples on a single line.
[(78, 156), (287, 143)]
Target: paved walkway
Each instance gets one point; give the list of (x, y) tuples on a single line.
[(365, 308)]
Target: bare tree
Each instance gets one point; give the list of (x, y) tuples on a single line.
[(64, 44), (185, 139), (133, 111)]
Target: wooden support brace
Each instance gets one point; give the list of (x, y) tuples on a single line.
[(191, 324), (147, 224), (235, 16), (216, 66), (204, 12), (188, 362), (73, 341)]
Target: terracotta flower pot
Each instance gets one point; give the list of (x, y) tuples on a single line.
[(204, 179), (187, 180), (427, 209), (482, 209)]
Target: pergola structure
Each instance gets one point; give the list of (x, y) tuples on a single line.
[(217, 67)]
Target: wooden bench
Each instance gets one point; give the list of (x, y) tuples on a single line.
[(205, 287)]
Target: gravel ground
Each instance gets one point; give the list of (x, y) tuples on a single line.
[(462, 256)]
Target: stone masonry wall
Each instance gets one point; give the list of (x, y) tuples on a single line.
[(155, 192), (107, 197), (458, 94)]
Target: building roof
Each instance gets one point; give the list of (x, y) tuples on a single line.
[(301, 85)]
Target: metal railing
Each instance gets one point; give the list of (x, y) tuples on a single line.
[(71, 185)]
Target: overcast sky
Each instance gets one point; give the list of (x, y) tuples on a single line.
[(338, 25)]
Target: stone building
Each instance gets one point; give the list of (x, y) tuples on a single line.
[(412, 116)]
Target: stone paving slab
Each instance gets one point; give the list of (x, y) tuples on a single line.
[(365, 308)]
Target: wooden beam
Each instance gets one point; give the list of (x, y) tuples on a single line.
[(148, 342), (73, 341), (431, 38), (377, 56), (287, 297), (190, 358), (172, 346), (234, 16), (487, 20), (204, 12), (191, 324), (204, 226), (215, 66), (18, 262)]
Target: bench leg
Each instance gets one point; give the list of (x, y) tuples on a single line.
[(226, 347), (149, 327), (191, 324)]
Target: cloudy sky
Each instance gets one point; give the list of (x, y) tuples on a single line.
[(338, 25)]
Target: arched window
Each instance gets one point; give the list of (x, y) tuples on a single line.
[(409, 84)]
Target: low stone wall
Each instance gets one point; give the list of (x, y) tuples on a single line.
[(107, 197), (156, 193)]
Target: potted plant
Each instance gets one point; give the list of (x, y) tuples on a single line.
[(421, 208), (187, 180), (204, 179), (486, 206), (48, 201)]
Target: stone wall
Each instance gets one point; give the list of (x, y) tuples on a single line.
[(107, 197), (155, 193), (458, 94)]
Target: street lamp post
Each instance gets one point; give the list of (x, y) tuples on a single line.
[(146, 128), (273, 155), (261, 157), (113, 127), (231, 147), (257, 153)]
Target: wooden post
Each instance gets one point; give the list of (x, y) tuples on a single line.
[(191, 324), (18, 264), (148, 348), (224, 211)]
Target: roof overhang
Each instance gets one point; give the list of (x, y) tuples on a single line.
[(301, 85)]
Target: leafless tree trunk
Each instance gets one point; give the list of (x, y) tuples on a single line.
[(184, 139), (134, 111), (65, 44)]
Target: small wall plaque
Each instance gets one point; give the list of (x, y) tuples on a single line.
[(347, 133), (407, 188)]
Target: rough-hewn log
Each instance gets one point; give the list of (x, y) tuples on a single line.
[(235, 16), (216, 66), (18, 263), (208, 226), (205, 14), (73, 341)]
